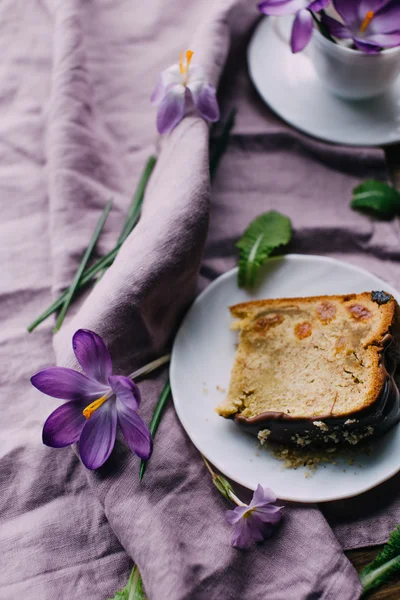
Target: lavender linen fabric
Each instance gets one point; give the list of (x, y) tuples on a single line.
[(75, 128)]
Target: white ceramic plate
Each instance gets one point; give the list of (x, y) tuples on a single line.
[(202, 359), (290, 86)]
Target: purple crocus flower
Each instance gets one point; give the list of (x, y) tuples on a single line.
[(254, 522), (97, 402), (179, 87), (303, 22), (371, 24)]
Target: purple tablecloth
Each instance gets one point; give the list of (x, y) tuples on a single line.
[(76, 127)]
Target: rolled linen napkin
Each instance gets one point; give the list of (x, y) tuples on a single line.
[(172, 523)]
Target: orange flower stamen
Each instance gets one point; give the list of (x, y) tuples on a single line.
[(184, 68), (368, 18), (89, 410)]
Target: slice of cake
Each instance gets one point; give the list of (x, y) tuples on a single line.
[(316, 370)]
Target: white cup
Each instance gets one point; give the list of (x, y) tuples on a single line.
[(351, 73)]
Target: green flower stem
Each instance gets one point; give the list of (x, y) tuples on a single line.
[(89, 275), (135, 208), (106, 261), (155, 420), (137, 201), (219, 144), (155, 364), (82, 266)]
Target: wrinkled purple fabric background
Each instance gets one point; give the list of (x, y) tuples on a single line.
[(76, 127)]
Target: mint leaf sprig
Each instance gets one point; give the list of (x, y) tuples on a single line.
[(265, 234), (378, 198), (385, 565)]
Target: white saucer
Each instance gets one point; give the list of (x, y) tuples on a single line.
[(202, 359), (290, 86)]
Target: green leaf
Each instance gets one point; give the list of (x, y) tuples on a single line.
[(264, 235), (134, 588), (223, 486), (385, 565), (78, 276), (322, 27), (106, 261), (377, 197), (155, 420)]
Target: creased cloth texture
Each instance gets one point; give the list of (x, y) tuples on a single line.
[(76, 127)]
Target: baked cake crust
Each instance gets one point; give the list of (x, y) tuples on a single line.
[(315, 365)]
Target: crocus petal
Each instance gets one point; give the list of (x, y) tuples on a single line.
[(171, 109), (241, 534), (348, 10), (67, 384), (126, 391), (98, 436), (172, 76), (196, 73), (269, 514), (262, 496), (384, 40), (135, 431), (281, 7), (318, 5), (256, 527), (335, 28), (365, 47), (64, 426), (92, 354), (365, 6), (205, 100), (386, 19), (233, 516), (158, 93), (301, 31)]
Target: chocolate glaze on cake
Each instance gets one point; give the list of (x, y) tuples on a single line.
[(325, 430)]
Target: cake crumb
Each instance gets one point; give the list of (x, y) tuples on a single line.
[(221, 389), (301, 441), (355, 438), (310, 459), (263, 435), (350, 421), (205, 390), (293, 458), (321, 425)]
